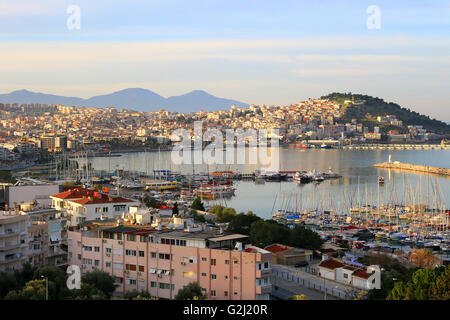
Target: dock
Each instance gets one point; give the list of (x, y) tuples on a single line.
[(413, 167)]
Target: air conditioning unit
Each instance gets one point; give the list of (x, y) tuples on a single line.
[(183, 263), (139, 273), (159, 275), (120, 242), (104, 240), (126, 272), (108, 254)]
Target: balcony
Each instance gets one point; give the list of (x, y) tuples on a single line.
[(263, 273), (264, 289)]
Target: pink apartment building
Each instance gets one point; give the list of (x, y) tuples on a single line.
[(163, 261)]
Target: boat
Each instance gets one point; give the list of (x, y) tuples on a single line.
[(325, 146), (381, 180), (331, 174), (214, 192), (161, 184)]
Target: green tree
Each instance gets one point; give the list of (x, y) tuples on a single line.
[(175, 209), (149, 202), (137, 295), (88, 291), (241, 223), (190, 292), (33, 290), (265, 232), (57, 288), (300, 237), (197, 204), (100, 280), (440, 289), (7, 283)]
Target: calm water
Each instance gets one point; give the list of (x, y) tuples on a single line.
[(401, 187)]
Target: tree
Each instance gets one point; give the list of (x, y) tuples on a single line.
[(301, 237), (265, 232), (149, 202), (100, 280), (440, 289), (57, 288), (89, 292), (33, 290), (175, 209), (422, 258), (190, 292), (7, 283), (197, 204), (241, 223), (137, 295)]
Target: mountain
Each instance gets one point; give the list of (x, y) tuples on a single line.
[(132, 98), (372, 107)]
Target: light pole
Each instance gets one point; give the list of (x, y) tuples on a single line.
[(325, 288), (46, 287)]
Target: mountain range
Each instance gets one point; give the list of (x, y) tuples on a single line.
[(133, 98)]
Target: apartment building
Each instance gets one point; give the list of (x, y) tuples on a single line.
[(163, 261), (13, 240)]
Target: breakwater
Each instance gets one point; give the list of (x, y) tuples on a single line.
[(413, 167)]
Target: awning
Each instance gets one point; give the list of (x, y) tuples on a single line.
[(55, 236)]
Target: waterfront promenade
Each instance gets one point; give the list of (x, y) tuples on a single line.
[(413, 167)]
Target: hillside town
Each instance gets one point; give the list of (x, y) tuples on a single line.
[(28, 129)]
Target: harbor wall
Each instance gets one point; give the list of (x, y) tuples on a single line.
[(413, 167)]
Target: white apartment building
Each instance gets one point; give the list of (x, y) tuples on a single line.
[(13, 240)]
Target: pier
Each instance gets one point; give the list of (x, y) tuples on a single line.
[(397, 147), (413, 167)]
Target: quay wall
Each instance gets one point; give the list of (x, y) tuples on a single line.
[(413, 167)]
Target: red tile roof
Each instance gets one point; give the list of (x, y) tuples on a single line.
[(74, 194), (331, 264), (274, 248), (94, 200), (361, 274)]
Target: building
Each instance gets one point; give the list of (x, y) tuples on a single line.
[(346, 272), (85, 205), (288, 256), (39, 193), (13, 240), (163, 261)]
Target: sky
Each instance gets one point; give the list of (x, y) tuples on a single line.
[(255, 51)]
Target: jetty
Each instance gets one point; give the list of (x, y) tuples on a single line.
[(413, 167)]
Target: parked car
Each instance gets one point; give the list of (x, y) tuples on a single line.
[(301, 264)]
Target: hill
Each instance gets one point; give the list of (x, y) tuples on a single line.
[(132, 98), (371, 107)]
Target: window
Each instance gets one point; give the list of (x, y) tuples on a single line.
[(141, 268), (236, 261), (97, 249), (108, 250), (120, 208), (131, 237), (213, 277), (345, 276), (129, 252), (213, 262), (141, 254), (203, 259), (153, 255), (153, 284), (164, 256), (236, 278), (105, 209), (130, 281), (119, 236), (143, 239), (266, 265), (163, 285), (98, 210), (86, 248), (203, 274), (213, 293), (226, 277), (108, 264), (131, 267), (227, 261), (79, 256), (97, 263), (225, 293)]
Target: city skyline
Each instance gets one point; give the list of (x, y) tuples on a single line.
[(258, 53)]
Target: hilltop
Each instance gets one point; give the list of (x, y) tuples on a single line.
[(366, 109)]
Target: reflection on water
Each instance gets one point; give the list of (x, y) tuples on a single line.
[(401, 187)]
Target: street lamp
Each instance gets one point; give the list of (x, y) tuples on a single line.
[(46, 287)]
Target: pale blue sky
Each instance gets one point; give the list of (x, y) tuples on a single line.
[(257, 51)]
